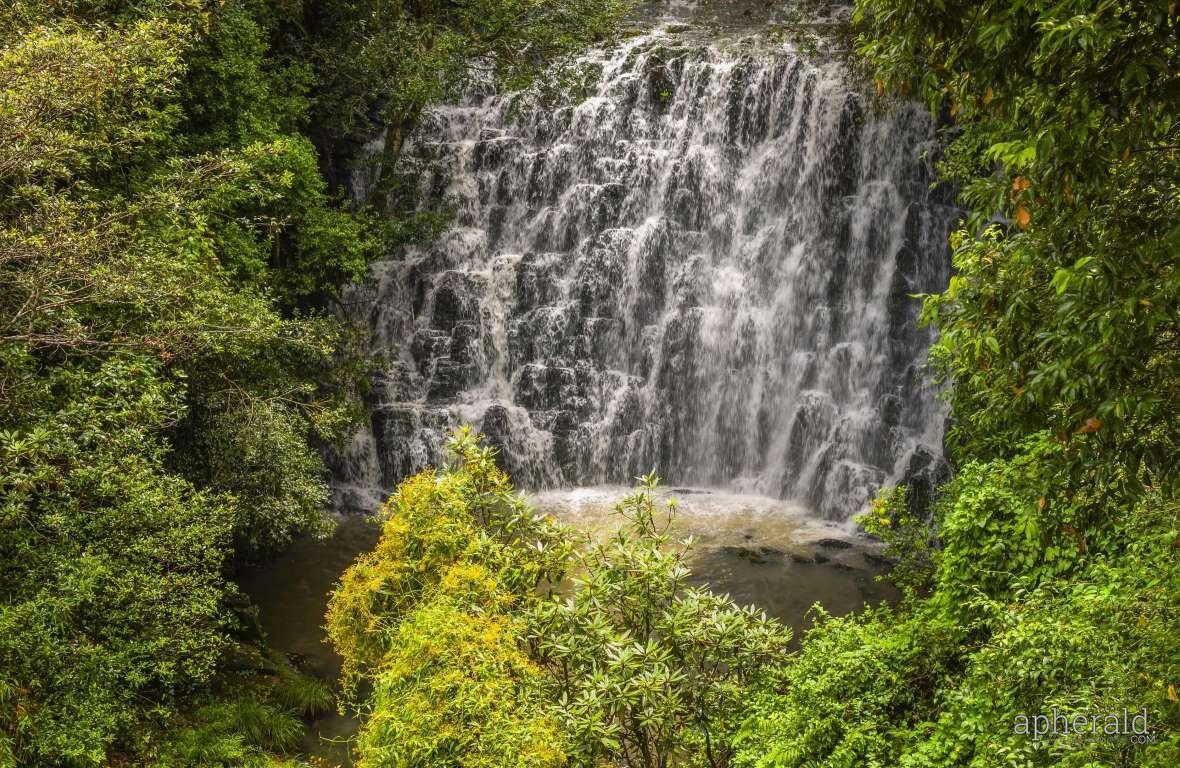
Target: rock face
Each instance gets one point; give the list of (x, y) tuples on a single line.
[(924, 473), (701, 263)]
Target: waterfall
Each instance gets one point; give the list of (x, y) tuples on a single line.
[(700, 261)]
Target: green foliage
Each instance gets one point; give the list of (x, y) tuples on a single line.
[(401, 58), (424, 616), (1063, 320), (275, 226), (169, 371), (998, 527), (252, 721), (1104, 640), (109, 88), (466, 513), (236, 89), (649, 671), (138, 271), (457, 690), (110, 566), (301, 694), (856, 695), (909, 542), (1057, 560), (243, 719), (257, 451), (925, 688), (476, 659)]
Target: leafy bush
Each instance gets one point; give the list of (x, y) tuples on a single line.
[(1057, 539), (858, 693), (999, 529), (648, 671), (465, 513), (111, 567), (479, 655), (910, 543), (456, 688), (924, 689), (1103, 641)]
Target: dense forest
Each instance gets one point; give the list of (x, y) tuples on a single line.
[(175, 231), (172, 239)]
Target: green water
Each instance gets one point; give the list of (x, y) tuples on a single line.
[(291, 593)]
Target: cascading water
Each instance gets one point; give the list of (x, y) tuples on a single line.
[(701, 264)]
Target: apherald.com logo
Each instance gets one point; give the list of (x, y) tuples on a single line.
[(1103, 725)]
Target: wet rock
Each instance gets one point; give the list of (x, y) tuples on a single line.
[(809, 558), (449, 378), (466, 344), (842, 484), (246, 656), (890, 408), (427, 345), (658, 81), (400, 381), (567, 442), (814, 417), (406, 441), (455, 301), (754, 555), (600, 272), (536, 281), (493, 150), (834, 544), (924, 474), (496, 426), (843, 171)]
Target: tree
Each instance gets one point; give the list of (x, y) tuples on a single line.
[(1055, 548), (479, 654), (402, 57), (648, 671)]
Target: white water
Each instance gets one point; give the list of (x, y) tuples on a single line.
[(699, 265)]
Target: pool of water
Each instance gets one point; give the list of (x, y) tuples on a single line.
[(291, 593), (763, 551)]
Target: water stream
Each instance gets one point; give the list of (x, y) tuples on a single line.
[(699, 260)]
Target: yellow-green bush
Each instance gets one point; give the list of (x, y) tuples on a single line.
[(463, 515), (476, 663), (456, 690)]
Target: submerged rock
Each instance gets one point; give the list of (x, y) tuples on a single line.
[(810, 558), (755, 555)]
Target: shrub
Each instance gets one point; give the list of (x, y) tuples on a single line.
[(457, 690), (465, 513), (646, 670)]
